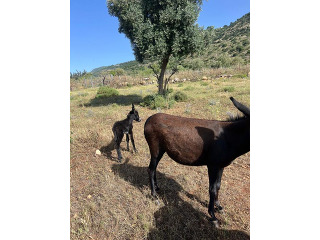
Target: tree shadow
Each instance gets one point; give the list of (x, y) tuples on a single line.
[(124, 100), (177, 219)]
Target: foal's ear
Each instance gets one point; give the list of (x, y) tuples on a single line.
[(242, 108), (132, 106)]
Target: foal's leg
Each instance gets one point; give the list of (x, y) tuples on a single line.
[(119, 136), (216, 201), (127, 139), (132, 141), (213, 192)]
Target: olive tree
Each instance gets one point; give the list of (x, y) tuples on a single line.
[(159, 30)]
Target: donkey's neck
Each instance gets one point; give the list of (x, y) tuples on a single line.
[(238, 137), (130, 118)]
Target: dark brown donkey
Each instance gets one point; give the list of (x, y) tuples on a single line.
[(125, 127), (197, 142)]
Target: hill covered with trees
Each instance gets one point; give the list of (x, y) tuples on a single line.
[(223, 47)]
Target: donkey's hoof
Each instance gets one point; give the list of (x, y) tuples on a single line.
[(216, 223)]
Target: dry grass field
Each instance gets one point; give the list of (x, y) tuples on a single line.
[(111, 200)]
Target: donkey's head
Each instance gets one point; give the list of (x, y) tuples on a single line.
[(135, 113), (242, 108)]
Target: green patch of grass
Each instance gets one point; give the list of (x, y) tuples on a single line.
[(180, 85), (189, 88), (228, 89), (204, 83), (240, 76), (78, 95)]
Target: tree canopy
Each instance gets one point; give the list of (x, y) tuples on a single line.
[(159, 29)]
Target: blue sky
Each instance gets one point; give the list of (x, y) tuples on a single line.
[(95, 40)]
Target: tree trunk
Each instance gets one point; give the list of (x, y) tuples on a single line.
[(164, 64)]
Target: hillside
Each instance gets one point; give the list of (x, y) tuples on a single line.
[(224, 47)]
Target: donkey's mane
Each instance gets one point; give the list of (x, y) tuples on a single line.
[(236, 118)]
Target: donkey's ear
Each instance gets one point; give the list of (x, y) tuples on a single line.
[(132, 106), (242, 108)]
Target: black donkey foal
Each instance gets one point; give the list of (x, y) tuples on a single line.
[(125, 127)]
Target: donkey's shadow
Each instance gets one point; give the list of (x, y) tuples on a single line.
[(177, 219)]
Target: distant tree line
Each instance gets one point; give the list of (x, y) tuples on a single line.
[(78, 74)]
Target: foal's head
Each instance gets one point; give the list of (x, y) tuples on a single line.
[(135, 113)]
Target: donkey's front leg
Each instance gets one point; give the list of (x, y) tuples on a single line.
[(213, 192), (216, 201)]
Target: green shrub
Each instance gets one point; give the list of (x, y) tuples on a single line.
[(157, 101), (180, 96), (104, 92), (239, 48)]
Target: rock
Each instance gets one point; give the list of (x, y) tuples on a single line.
[(98, 152)]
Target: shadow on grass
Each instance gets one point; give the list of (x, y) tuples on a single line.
[(178, 219), (106, 150), (124, 100)]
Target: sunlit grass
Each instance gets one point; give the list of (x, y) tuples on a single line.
[(112, 201)]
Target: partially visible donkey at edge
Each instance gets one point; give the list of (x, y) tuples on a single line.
[(125, 127), (197, 142)]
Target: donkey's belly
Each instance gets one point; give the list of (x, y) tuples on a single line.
[(189, 152)]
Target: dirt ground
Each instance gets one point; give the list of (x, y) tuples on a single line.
[(111, 200)]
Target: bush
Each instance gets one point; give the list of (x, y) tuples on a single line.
[(180, 96), (104, 92), (157, 101)]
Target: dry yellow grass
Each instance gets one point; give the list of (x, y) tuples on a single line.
[(112, 201)]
